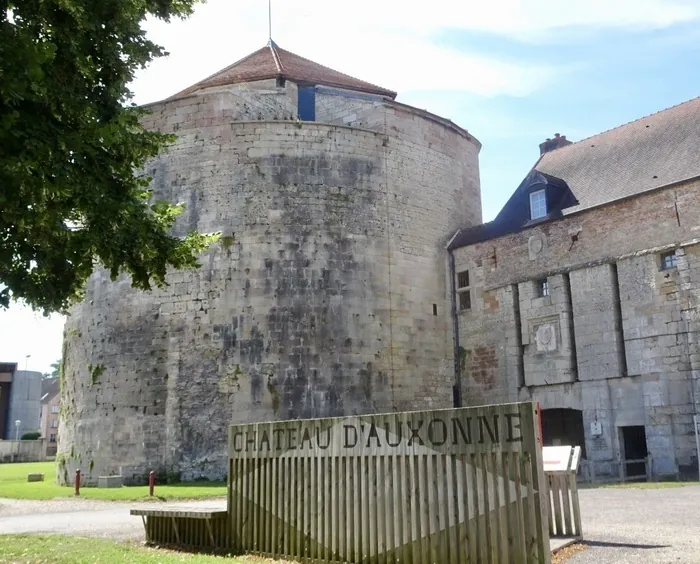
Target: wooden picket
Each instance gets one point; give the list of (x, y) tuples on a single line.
[(449, 486), (563, 505)]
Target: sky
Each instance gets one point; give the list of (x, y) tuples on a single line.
[(511, 72)]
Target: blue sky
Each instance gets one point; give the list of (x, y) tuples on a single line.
[(512, 72), (604, 78)]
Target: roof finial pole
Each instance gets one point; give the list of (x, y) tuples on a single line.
[(269, 19)]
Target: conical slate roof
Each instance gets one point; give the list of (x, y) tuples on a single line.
[(271, 62)]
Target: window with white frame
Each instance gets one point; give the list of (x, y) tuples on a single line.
[(538, 204), (54, 408), (52, 438), (54, 423)]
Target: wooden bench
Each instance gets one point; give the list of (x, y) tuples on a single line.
[(185, 526)]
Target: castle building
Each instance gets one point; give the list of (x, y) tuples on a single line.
[(327, 294), (354, 275), (584, 294)]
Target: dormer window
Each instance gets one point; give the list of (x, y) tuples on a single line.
[(538, 204)]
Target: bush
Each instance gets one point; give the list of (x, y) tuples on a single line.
[(31, 436)]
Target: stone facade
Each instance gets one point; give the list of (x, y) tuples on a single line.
[(615, 338), (326, 296), (331, 293)]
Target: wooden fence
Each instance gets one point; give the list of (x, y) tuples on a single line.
[(447, 486), (621, 471), (564, 512), (560, 468)]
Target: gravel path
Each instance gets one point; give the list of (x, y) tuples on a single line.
[(621, 526), (83, 517), (632, 526)]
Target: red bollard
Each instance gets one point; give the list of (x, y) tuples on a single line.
[(151, 482), (77, 482)]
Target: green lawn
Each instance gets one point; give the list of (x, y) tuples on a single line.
[(648, 485), (25, 549), (13, 484)]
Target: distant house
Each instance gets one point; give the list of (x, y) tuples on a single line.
[(20, 394), (50, 404)]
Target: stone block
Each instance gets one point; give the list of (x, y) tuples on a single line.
[(35, 477), (109, 482)]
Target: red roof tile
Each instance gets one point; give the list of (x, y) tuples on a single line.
[(271, 62)]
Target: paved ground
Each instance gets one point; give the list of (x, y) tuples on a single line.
[(83, 517), (621, 526), (633, 526)]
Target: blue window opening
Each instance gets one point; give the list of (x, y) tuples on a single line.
[(307, 103)]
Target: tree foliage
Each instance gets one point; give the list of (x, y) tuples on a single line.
[(71, 148), (55, 370)]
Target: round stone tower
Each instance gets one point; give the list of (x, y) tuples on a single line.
[(326, 295)]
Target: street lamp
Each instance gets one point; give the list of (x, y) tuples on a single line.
[(17, 424), (26, 360)]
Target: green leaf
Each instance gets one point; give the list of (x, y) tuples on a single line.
[(72, 146)]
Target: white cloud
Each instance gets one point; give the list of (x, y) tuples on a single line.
[(25, 332), (388, 42), (530, 18), (374, 46)]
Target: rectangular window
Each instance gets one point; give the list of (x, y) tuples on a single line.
[(668, 260), (542, 288), (54, 423), (463, 279), (306, 103), (538, 204), (54, 409), (465, 300), (52, 438)]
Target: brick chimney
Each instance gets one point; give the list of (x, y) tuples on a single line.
[(551, 144)]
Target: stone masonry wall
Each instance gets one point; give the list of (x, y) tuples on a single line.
[(632, 357), (261, 100), (546, 329), (326, 295)]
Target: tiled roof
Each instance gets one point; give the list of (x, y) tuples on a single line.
[(648, 153), (271, 62), (49, 388)]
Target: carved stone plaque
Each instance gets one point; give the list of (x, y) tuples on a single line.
[(546, 335)]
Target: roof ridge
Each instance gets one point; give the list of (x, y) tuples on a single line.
[(337, 71), (618, 127), (222, 71), (272, 61), (275, 56)]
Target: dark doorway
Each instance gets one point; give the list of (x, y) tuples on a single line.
[(4, 408), (634, 447), (563, 427)]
